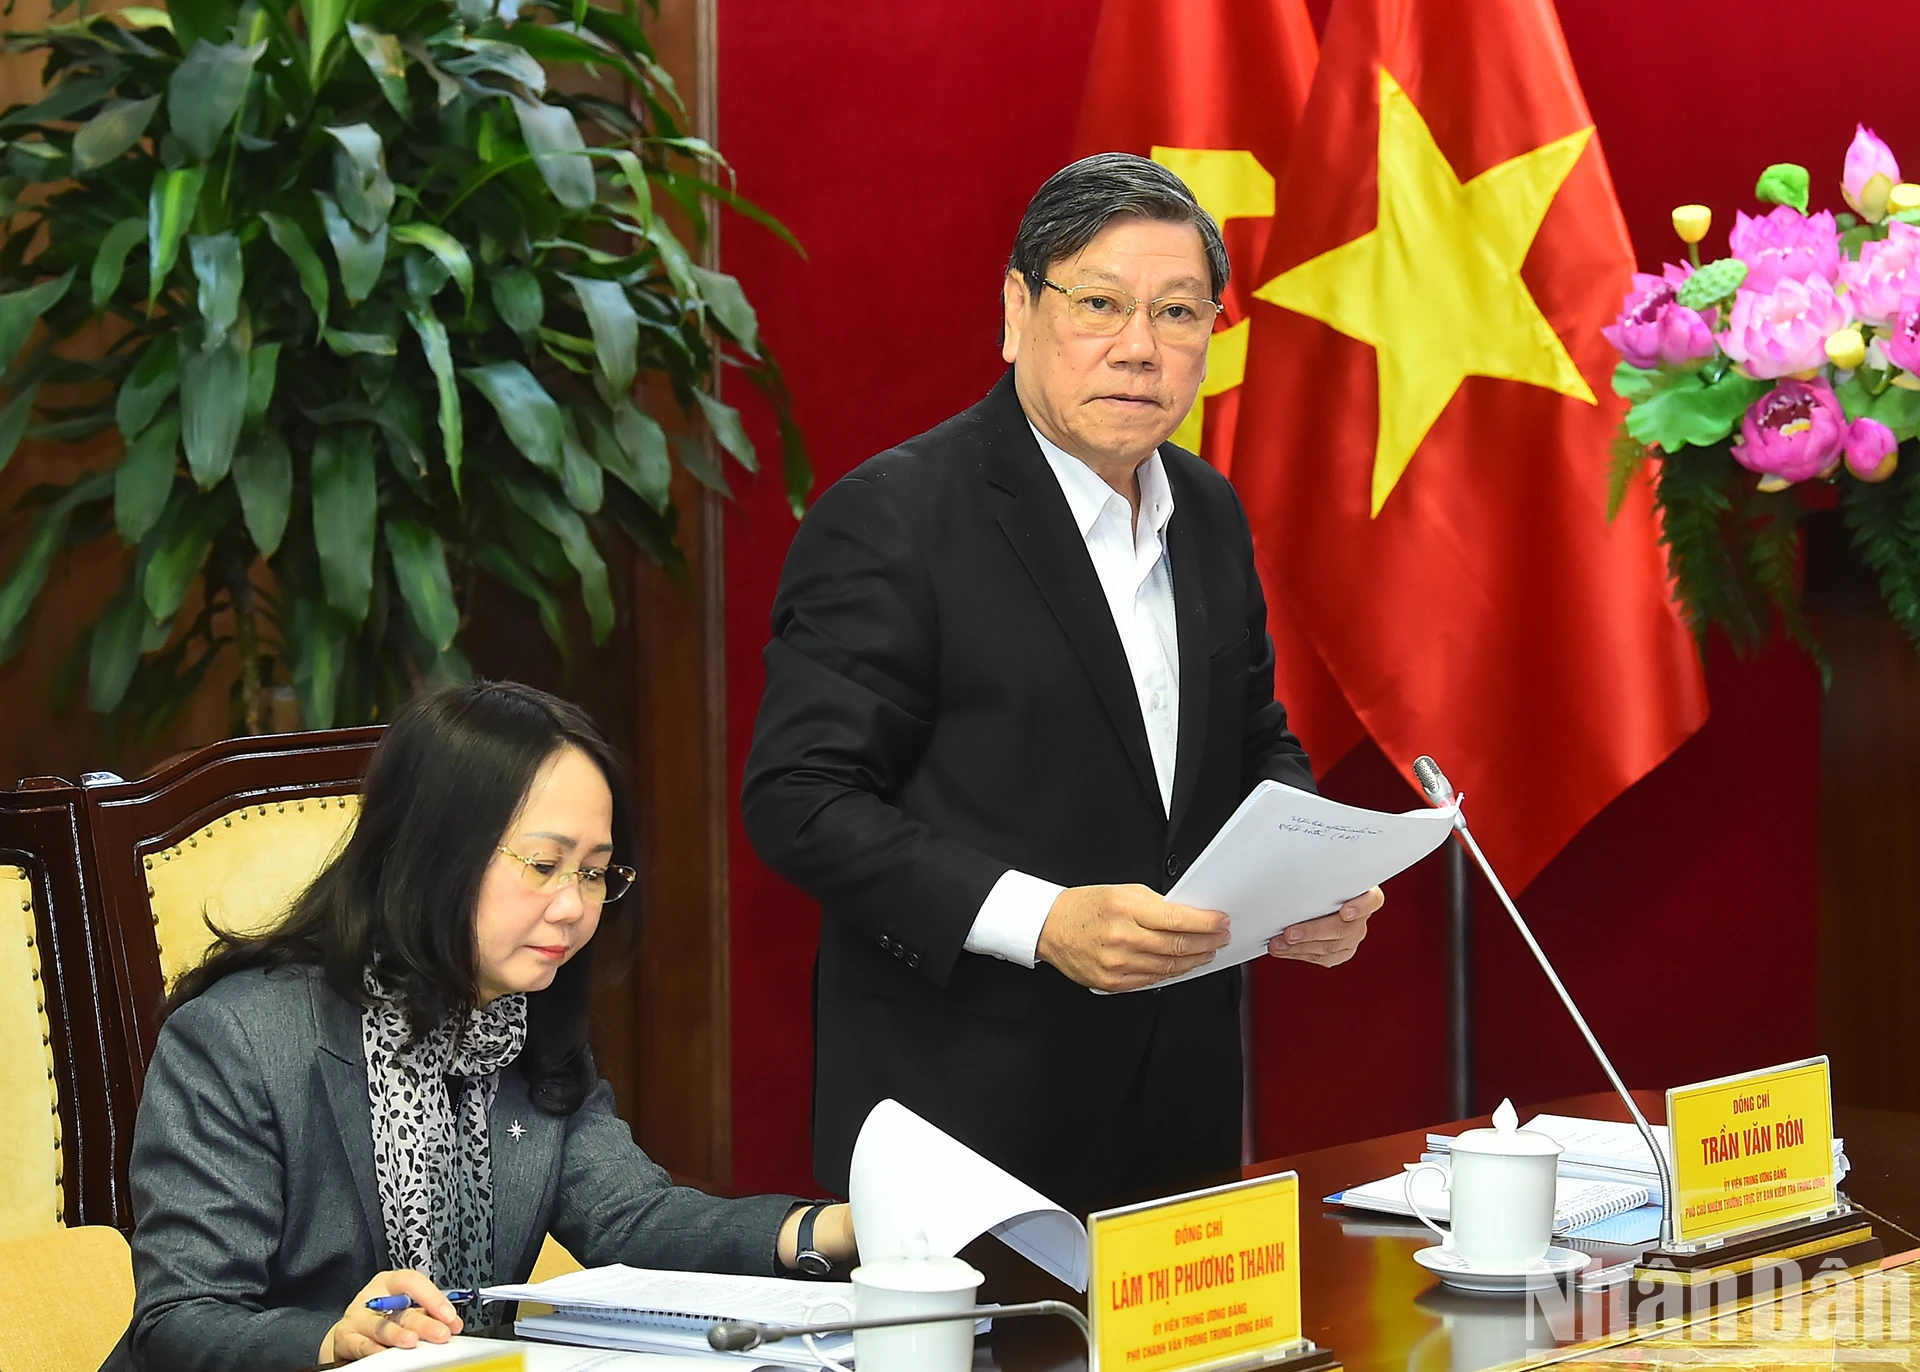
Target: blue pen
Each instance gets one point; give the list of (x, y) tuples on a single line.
[(393, 1305)]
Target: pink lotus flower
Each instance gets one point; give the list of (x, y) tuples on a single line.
[(1870, 447), (1793, 431), (1783, 331), (1654, 328), (1876, 283), (1901, 343), (1869, 176), (1785, 245)]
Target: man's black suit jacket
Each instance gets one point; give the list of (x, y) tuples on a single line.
[(947, 698)]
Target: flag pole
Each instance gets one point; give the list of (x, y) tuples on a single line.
[(1459, 984)]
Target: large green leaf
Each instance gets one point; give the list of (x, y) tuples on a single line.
[(582, 478), (724, 420), (291, 239), (501, 565), (263, 370), (360, 180), (316, 647), (347, 344), (728, 304), (263, 474), (216, 266), (14, 416), (20, 309), (110, 261), (519, 298), (147, 387), (615, 326), (450, 252), (439, 354), (361, 256), (648, 471), (502, 59), (114, 649), (29, 571), (64, 101), (420, 569), (325, 19), (1691, 413), (205, 93), (170, 208), (180, 544), (388, 63), (558, 151), (111, 132), (144, 478), (194, 20), (345, 515), (527, 412), (567, 526), (213, 406)]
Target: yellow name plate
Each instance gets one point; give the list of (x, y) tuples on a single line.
[(1752, 1151), (1197, 1281)]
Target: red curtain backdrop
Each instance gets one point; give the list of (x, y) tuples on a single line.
[(900, 143)]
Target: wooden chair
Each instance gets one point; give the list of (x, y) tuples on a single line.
[(62, 1080), (228, 834)]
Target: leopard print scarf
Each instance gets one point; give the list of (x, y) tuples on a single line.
[(430, 1098)]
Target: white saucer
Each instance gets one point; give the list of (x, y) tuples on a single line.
[(1453, 1271)]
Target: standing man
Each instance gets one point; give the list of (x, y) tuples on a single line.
[(1019, 676)]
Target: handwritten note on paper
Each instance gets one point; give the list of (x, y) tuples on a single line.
[(1287, 855)]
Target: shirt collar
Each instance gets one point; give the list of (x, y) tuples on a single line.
[(1087, 495)]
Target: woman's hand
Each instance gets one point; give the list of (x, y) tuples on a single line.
[(362, 1332)]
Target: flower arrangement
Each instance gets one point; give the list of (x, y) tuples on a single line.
[(1782, 378)]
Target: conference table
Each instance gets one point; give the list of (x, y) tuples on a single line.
[(1366, 1301)]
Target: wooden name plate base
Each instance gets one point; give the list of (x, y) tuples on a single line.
[(1834, 1244)]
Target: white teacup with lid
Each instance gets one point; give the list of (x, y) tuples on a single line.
[(915, 1283), (1501, 1193)]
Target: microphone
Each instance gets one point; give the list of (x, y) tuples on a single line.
[(1440, 791), (741, 1336)]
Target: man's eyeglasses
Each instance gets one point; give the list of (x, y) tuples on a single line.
[(1104, 310), (598, 885)]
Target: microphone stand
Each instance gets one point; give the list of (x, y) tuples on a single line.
[(740, 1336), (1440, 791)]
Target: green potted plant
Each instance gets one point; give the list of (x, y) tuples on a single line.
[(381, 306)]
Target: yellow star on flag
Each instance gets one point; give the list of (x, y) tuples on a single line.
[(1435, 287)]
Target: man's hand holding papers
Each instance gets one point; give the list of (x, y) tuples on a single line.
[(1331, 939)]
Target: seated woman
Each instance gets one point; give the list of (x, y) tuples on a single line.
[(391, 1092)]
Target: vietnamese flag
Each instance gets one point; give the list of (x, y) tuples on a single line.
[(1423, 442), (1213, 89)]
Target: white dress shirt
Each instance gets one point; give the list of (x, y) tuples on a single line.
[(1130, 559)]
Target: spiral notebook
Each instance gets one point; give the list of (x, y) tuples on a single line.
[(1576, 1203), (641, 1309)]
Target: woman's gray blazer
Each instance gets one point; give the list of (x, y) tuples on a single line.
[(256, 1215)]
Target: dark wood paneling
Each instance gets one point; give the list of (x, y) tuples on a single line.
[(1870, 858)]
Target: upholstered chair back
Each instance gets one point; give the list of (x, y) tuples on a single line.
[(59, 1032), (223, 838), (32, 1171)]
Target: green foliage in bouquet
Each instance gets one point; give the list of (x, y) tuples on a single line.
[(366, 298)]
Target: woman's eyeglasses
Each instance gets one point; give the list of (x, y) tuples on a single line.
[(598, 885)]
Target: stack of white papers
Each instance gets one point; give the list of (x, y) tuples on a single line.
[(1288, 855)]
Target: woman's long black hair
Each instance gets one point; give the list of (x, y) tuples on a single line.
[(446, 779)]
